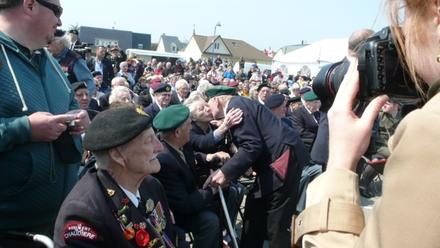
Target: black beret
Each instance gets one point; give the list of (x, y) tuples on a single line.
[(275, 100), (293, 99), (285, 91), (96, 73), (304, 90), (220, 90), (115, 127), (160, 87), (262, 86), (171, 117), (79, 85), (73, 31), (59, 33)]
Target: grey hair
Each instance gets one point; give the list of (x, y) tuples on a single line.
[(64, 40), (9, 4), (102, 159)]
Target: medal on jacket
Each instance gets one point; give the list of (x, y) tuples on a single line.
[(149, 206)]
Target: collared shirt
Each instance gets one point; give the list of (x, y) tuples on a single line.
[(133, 198), (99, 66)]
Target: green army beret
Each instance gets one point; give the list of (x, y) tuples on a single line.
[(115, 127), (171, 117), (220, 90), (310, 96)]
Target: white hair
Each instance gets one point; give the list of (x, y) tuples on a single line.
[(116, 94), (63, 40), (116, 80), (180, 83), (193, 101)]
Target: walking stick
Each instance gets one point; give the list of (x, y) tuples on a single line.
[(228, 219)]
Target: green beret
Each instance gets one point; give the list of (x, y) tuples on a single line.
[(115, 127), (220, 90), (310, 96), (171, 117)]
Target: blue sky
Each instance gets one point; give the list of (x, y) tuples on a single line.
[(264, 24)]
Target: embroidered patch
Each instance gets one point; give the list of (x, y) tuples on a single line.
[(77, 230)]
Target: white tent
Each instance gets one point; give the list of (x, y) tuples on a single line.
[(313, 56)]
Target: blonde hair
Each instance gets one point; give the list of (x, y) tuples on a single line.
[(419, 10)]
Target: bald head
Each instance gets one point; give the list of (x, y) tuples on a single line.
[(356, 38)]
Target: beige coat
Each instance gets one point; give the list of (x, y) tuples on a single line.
[(407, 215)]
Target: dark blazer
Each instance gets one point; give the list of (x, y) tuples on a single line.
[(152, 110), (306, 126), (107, 71), (201, 141), (261, 138), (90, 212), (180, 185)]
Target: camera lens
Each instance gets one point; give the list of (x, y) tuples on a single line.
[(327, 82)]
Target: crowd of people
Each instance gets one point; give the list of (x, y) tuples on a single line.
[(106, 150)]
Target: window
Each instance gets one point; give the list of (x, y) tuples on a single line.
[(173, 47), (216, 46)]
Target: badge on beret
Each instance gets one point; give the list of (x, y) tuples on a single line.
[(149, 206), (77, 230), (141, 111), (168, 88), (110, 192)]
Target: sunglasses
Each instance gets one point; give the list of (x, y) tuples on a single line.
[(57, 10)]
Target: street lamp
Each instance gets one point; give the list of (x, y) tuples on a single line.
[(218, 24)]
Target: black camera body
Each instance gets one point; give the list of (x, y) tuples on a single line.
[(380, 72), (83, 48)]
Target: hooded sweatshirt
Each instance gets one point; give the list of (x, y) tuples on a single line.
[(33, 179)]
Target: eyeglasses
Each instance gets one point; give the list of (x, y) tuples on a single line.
[(57, 10)]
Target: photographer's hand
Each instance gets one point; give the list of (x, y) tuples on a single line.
[(349, 135)]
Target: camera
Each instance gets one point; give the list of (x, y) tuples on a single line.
[(70, 125), (83, 49), (380, 72)]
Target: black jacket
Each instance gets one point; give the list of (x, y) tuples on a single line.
[(89, 215), (306, 126), (107, 71), (261, 138), (179, 181)]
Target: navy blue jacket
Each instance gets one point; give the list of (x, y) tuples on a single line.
[(261, 138), (152, 110), (180, 184)]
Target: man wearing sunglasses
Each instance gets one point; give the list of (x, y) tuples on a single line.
[(38, 157)]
